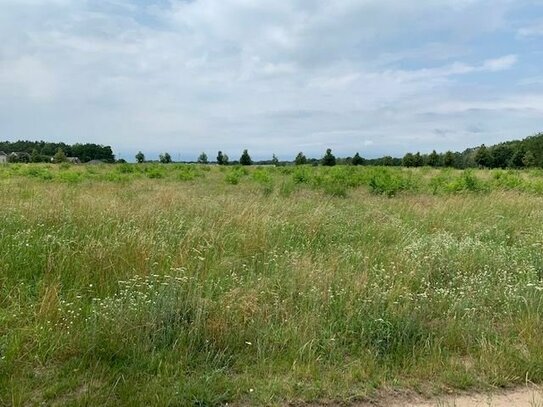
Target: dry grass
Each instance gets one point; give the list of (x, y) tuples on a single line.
[(183, 289)]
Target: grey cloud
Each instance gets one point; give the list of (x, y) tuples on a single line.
[(378, 76)]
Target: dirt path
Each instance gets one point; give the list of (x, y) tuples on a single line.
[(522, 397)]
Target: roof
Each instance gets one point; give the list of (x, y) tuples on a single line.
[(2, 153)]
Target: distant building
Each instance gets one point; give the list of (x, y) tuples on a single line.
[(73, 160), (3, 157)]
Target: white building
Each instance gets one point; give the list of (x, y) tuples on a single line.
[(3, 158)]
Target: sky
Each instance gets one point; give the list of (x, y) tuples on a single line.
[(379, 77)]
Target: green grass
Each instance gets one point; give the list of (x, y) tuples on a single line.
[(196, 285)]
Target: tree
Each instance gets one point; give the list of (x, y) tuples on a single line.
[(516, 160), (387, 161), (165, 158), (483, 157), (59, 156), (329, 160), (275, 160), (357, 160), (35, 156), (418, 160), (300, 159), (408, 160), (448, 159), (202, 159), (140, 157), (221, 158), (245, 158), (501, 155), (433, 159), (529, 159)]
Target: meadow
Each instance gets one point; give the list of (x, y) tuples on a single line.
[(193, 285)]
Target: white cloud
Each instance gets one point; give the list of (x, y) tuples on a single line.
[(534, 30), (500, 64), (269, 75)]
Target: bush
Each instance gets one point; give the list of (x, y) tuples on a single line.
[(383, 182), (233, 177)]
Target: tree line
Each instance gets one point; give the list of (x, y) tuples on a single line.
[(511, 154), (524, 153), (42, 151)]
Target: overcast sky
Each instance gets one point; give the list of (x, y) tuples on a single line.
[(274, 76)]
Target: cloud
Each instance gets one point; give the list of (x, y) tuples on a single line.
[(379, 76), (534, 30)]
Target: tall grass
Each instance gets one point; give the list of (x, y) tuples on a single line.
[(121, 288)]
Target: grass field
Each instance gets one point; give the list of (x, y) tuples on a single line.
[(193, 285)]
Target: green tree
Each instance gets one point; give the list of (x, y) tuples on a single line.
[(59, 156), (202, 158), (165, 158), (483, 157), (275, 160), (357, 160), (408, 160), (329, 160), (300, 159), (245, 158), (529, 159), (501, 155), (140, 157), (516, 160), (221, 158), (433, 159), (418, 161), (35, 156), (387, 161), (448, 159)]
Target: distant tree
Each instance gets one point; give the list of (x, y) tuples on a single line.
[(274, 160), (140, 157), (165, 158), (517, 157), (300, 159), (221, 158), (387, 161), (448, 159), (357, 160), (433, 159), (418, 161), (35, 156), (59, 156), (501, 155), (529, 159), (408, 160), (121, 161), (329, 160), (482, 157), (245, 158), (202, 158)]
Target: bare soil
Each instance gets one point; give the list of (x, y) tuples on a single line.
[(530, 396)]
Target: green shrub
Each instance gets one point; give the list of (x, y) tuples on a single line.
[(70, 176), (301, 175), (125, 168), (383, 182), (233, 177)]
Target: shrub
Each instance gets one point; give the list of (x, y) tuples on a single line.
[(383, 182)]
